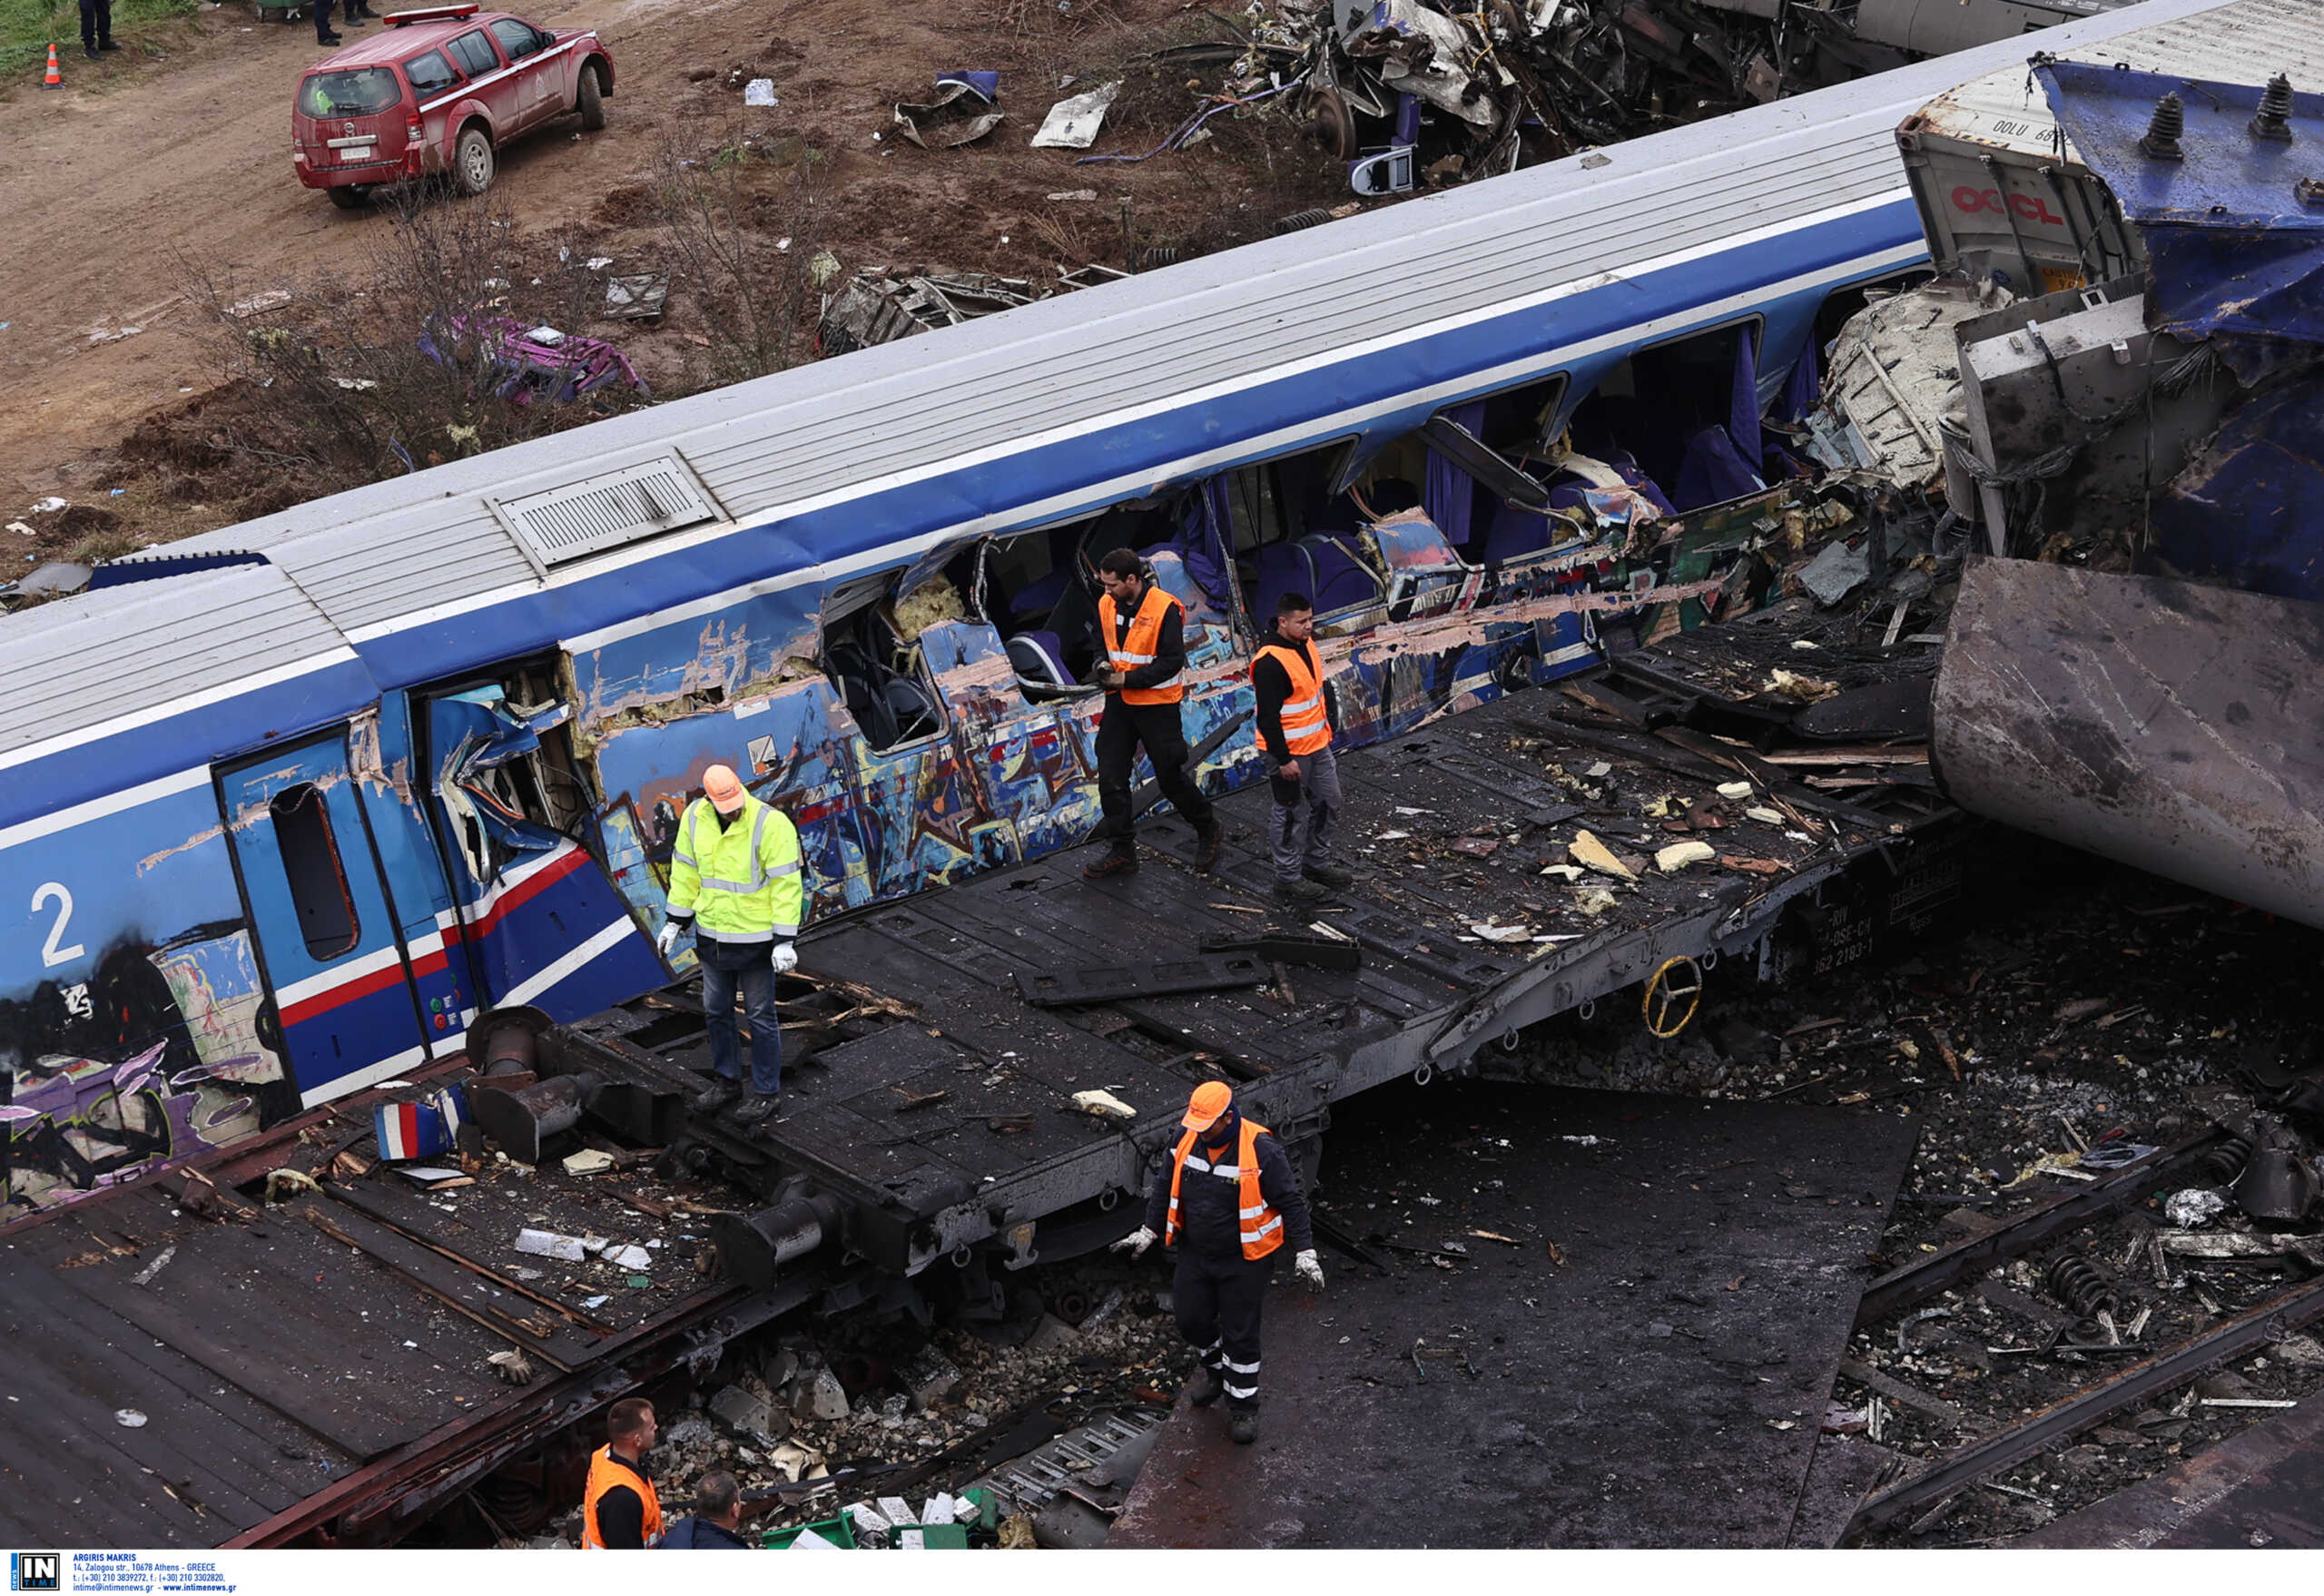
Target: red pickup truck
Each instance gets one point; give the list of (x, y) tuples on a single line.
[(440, 91)]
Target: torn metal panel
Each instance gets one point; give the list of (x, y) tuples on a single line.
[(2164, 724), (960, 113), (1894, 374), (1072, 124)]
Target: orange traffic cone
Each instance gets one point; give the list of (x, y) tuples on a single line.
[(53, 78)]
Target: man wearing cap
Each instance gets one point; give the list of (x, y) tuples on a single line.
[(735, 878), (1227, 1201)]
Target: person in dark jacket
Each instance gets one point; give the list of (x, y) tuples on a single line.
[(1141, 629), (1295, 727), (1227, 1202), (716, 1522)]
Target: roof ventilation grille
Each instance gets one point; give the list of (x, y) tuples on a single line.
[(564, 524)]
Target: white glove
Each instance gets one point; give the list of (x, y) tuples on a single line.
[(1305, 1265), (784, 958), (668, 939), (1135, 1244)]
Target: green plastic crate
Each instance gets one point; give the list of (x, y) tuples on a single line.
[(838, 1532)]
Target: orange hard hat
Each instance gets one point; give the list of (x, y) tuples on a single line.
[(723, 788), (1211, 1098)]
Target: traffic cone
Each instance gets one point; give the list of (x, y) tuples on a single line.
[(53, 78)]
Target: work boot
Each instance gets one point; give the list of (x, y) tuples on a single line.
[(715, 1096), (1209, 1387), (90, 51), (107, 45), (1207, 848), (1337, 877), (1116, 862), (757, 1106), (1300, 892), (1244, 1427)]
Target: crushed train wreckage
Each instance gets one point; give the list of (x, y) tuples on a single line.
[(2114, 379)]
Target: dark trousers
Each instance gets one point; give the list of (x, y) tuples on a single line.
[(1121, 730), (96, 23), (743, 966), (322, 19), (1217, 1302)]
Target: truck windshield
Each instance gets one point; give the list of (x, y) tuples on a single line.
[(350, 94)]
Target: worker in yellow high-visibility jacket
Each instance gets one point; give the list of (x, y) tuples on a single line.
[(736, 879)]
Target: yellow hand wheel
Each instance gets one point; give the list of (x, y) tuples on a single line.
[(1673, 993)]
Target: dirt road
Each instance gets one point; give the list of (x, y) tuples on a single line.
[(178, 150)]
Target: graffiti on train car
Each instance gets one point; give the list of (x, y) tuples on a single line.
[(145, 1038), (158, 1055)]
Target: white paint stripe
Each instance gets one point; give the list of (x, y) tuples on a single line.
[(175, 708), (338, 975), (370, 1075), (533, 985), (494, 76), (509, 881), (1081, 500), (128, 798)]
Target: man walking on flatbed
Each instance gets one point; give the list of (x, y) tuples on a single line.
[(1294, 716), (1227, 1200), (1142, 629)]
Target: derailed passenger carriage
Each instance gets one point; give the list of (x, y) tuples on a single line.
[(289, 804)]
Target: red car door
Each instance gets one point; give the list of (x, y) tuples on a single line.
[(542, 72), (490, 81)]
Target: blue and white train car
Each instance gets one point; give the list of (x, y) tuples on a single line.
[(285, 805)]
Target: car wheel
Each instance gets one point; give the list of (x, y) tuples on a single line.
[(590, 100), (352, 198), (472, 163)]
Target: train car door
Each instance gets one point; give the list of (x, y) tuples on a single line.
[(328, 938)]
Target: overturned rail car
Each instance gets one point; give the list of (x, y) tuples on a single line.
[(286, 805)]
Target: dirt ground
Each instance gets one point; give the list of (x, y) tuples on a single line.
[(174, 155)]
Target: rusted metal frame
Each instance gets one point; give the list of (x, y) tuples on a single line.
[(443, 1280), (2255, 1327), (1949, 1266), (507, 1426), (383, 1213), (1546, 987)]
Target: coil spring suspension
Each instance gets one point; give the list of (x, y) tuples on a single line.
[(2223, 1165), (2074, 1281)]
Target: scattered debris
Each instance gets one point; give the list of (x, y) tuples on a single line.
[(961, 112), (1103, 1104), (1073, 124)]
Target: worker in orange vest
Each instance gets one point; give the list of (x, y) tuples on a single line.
[(1294, 718), (619, 1511), (1142, 629), (1227, 1201)]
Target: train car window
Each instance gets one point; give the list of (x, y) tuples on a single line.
[(1662, 417), (1038, 587), (311, 864), (1292, 533), (875, 668)]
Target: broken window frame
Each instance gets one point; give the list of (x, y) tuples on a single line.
[(304, 841), (543, 786), (1756, 320), (1337, 478), (839, 615)]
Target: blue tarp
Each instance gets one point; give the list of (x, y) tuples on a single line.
[(2237, 255)]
